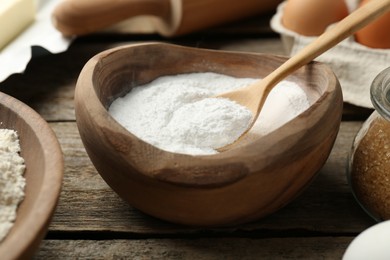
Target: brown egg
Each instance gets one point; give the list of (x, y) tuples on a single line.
[(311, 17), (377, 33)]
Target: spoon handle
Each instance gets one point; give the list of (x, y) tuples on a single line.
[(346, 27), (78, 17)]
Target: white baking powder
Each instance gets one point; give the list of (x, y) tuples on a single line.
[(176, 113), (12, 182)]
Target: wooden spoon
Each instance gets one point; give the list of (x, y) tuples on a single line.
[(253, 96)]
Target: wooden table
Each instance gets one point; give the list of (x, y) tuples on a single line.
[(92, 222)]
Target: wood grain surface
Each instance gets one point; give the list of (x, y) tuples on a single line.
[(92, 222)]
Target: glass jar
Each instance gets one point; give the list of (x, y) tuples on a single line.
[(369, 161)]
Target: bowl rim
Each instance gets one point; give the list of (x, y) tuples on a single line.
[(24, 240), (85, 87)]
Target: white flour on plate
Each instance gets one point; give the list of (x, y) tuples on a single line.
[(176, 113), (12, 182)]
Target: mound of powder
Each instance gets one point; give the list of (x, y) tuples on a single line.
[(12, 182), (177, 114), (206, 124)]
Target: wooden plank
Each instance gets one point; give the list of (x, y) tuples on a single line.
[(88, 204), (202, 249)]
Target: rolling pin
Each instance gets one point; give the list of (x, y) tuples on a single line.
[(169, 17)]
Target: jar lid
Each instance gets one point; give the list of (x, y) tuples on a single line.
[(380, 93)]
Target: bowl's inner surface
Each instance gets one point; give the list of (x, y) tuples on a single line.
[(31, 151), (128, 68)]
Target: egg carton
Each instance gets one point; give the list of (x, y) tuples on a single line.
[(355, 65)]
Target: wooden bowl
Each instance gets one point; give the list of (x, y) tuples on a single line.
[(250, 181), (44, 170)]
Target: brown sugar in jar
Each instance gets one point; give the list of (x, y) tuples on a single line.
[(369, 164), (370, 170)]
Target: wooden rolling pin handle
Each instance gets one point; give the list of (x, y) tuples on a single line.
[(78, 17)]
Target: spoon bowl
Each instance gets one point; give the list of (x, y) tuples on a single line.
[(252, 180)]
